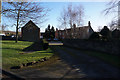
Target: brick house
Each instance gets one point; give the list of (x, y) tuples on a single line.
[(60, 34), (75, 32), (11, 33), (30, 32)]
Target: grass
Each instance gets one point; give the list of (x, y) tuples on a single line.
[(45, 41), (51, 61), (13, 55)]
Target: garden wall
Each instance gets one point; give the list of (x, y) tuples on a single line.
[(112, 47)]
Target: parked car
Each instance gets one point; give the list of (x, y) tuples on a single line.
[(55, 39), (49, 39)]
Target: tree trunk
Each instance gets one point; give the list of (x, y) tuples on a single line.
[(17, 27)]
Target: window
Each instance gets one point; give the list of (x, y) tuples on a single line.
[(72, 33), (60, 33), (88, 31)]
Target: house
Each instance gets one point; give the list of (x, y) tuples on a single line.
[(60, 34), (116, 34), (42, 35), (11, 33), (30, 32), (83, 32)]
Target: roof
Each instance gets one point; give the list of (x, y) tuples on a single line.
[(31, 23), (11, 32), (84, 27)]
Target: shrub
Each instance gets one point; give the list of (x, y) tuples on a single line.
[(95, 36)]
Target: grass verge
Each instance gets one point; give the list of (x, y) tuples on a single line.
[(13, 54), (53, 60)]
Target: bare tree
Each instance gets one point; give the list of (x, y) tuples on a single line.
[(63, 19), (112, 5), (23, 11), (72, 15), (75, 14), (4, 27), (99, 28), (113, 25), (80, 15)]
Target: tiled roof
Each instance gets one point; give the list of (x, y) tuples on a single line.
[(31, 23)]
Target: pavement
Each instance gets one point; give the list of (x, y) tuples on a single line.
[(56, 43), (59, 69)]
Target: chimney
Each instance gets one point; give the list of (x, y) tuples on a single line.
[(56, 29), (74, 26), (89, 24)]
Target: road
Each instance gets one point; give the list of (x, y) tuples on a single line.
[(90, 66)]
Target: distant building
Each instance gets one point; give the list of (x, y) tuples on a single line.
[(11, 33), (75, 32), (116, 34), (30, 32), (42, 35)]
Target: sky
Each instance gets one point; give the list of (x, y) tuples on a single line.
[(93, 12)]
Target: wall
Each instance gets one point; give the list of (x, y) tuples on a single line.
[(112, 47), (31, 34)]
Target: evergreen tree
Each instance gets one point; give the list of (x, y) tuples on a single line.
[(105, 32), (52, 32), (46, 33), (49, 33)]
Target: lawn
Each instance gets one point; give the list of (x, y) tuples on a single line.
[(13, 54)]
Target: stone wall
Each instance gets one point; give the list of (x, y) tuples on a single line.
[(112, 47)]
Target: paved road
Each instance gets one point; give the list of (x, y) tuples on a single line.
[(90, 66)]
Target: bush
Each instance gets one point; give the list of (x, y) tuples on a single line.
[(45, 46), (95, 36)]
